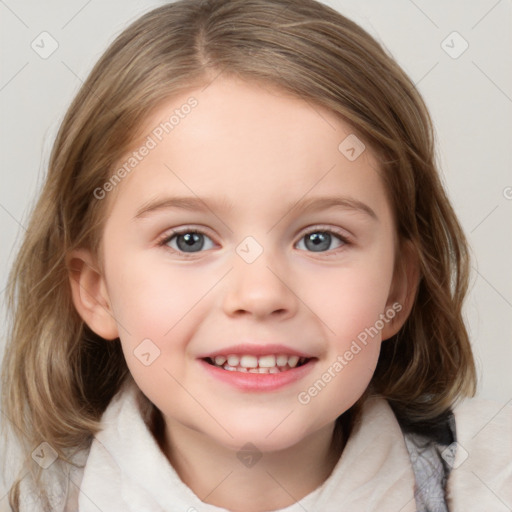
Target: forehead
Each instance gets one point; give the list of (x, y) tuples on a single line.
[(250, 142)]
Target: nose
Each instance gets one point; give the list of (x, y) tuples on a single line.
[(259, 289)]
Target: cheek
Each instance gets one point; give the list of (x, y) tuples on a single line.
[(146, 300), (351, 298), (351, 314), (154, 305), (351, 302), (154, 300)]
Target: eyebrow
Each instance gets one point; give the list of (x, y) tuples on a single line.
[(223, 205)]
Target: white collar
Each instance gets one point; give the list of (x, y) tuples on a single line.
[(126, 470)]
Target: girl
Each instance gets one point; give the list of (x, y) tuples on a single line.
[(241, 287)]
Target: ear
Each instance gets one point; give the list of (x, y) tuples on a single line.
[(403, 289), (89, 293)]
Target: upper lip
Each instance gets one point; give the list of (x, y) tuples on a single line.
[(256, 350)]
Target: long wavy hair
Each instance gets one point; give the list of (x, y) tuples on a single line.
[(58, 376)]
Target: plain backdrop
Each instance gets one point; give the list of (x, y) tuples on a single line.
[(465, 78)]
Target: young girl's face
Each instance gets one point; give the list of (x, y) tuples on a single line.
[(293, 255)]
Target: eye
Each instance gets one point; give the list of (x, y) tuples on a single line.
[(322, 240), (187, 241)]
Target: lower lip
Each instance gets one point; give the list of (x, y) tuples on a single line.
[(259, 382)]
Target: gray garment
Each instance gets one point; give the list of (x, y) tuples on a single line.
[(432, 460)]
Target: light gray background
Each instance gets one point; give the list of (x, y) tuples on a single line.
[(469, 97)]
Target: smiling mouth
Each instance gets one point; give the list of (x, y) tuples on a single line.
[(253, 364)]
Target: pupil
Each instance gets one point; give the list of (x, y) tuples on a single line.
[(190, 241)]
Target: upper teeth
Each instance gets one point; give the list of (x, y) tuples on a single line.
[(250, 361)]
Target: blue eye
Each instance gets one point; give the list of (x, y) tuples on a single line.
[(320, 241), (187, 241)]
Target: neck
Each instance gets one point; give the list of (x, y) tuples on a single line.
[(276, 480)]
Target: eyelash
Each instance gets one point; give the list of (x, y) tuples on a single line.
[(317, 229)]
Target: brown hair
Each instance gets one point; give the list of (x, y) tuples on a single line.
[(58, 376)]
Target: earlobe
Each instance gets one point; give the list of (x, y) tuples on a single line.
[(89, 293), (403, 290)]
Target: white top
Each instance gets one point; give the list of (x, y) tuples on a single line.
[(125, 470)]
